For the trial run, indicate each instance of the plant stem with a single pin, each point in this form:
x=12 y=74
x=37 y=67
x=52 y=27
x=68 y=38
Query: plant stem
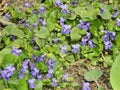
x=97 y=83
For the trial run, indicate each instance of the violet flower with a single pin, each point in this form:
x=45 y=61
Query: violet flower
x=107 y=38
x=24 y=69
x=58 y=3
x=64 y=8
x=55 y=40
x=75 y=48
x=51 y=64
x=118 y=22
x=61 y=21
x=63 y=49
x=84 y=25
x=7 y=17
x=42 y=9
x=66 y=29
x=8 y=72
x=41 y=58
x=102 y=10
x=115 y=14
x=27 y=5
x=16 y=51
x=86 y=86
x=34 y=11
x=34 y=70
x=54 y=82
x=31 y=83
x=64 y=77
x=91 y=44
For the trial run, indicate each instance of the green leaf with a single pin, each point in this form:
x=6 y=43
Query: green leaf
x=117 y=39
x=50 y=26
x=93 y=75
x=106 y=14
x=100 y=88
x=9 y=59
x=75 y=34
x=4 y=52
x=87 y=12
x=70 y=58
x=12 y=29
x=43 y=33
x=32 y=19
x=75 y=84
x=22 y=85
x=39 y=85
x=108 y=61
x=2 y=85
x=42 y=66
x=115 y=74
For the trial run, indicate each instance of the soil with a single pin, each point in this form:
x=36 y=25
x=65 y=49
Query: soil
x=78 y=68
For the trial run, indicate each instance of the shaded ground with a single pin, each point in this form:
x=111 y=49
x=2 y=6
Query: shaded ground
x=78 y=68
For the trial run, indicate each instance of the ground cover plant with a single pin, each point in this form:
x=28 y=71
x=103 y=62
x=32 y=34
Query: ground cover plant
x=39 y=41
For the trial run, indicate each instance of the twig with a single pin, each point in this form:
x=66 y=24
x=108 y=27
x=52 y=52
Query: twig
x=97 y=83
x=3 y=22
x=1 y=9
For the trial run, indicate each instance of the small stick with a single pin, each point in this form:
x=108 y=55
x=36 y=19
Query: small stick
x=5 y=22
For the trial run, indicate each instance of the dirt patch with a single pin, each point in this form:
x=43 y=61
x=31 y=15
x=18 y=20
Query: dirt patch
x=77 y=70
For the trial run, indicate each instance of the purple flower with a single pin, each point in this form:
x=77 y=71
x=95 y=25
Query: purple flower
x=84 y=25
x=21 y=21
x=115 y=14
x=61 y=21
x=42 y=9
x=112 y=35
x=108 y=45
x=24 y=69
x=74 y=2
x=34 y=11
x=107 y=38
x=63 y=49
x=31 y=83
x=84 y=41
x=75 y=48
x=118 y=22
x=86 y=86
x=51 y=62
x=50 y=71
x=7 y=16
x=40 y=58
x=27 y=25
x=34 y=70
x=58 y=3
x=35 y=24
x=42 y=21
x=102 y=10
x=49 y=76
x=12 y=37
x=55 y=40
x=8 y=72
x=64 y=77
x=27 y=5
x=39 y=77
x=21 y=75
x=91 y=44
x=64 y=8
x=35 y=47
x=54 y=82
x=16 y=51
x=66 y=29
